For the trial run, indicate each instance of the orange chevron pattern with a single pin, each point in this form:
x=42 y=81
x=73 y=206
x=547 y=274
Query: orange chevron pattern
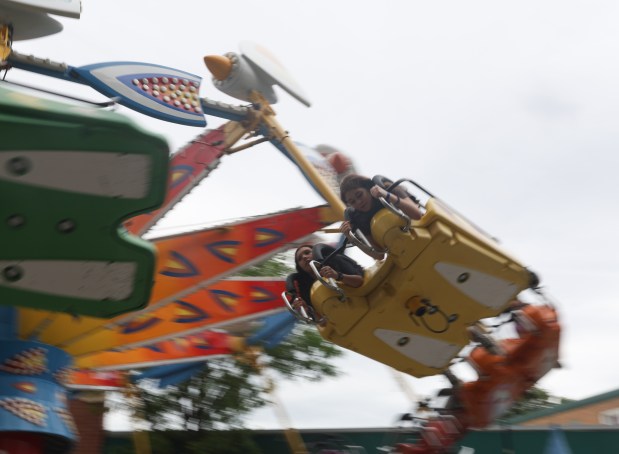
x=187 y=168
x=165 y=323
x=84 y=335
x=192 y=347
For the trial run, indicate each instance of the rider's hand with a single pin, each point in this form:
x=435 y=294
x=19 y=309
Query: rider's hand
x=328 y=272
x=377 y=191
x=297 y=303
x=345 y=227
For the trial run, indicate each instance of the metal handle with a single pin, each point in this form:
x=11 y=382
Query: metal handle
x=365 y=246
x=299 y=313
x=330 y=283
x=407 y=221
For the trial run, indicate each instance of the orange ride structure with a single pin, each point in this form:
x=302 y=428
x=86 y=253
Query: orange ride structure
x=84 y=298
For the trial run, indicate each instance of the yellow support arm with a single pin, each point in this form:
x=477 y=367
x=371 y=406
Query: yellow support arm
x=267 y=115
x=5 y=42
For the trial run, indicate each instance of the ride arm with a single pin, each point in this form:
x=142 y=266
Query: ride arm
x=280 y=138
x=44 y=66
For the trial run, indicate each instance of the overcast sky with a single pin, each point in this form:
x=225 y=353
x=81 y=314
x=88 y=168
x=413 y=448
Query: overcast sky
x=508 y=111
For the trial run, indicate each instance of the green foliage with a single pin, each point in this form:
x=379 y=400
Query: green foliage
x=228 y=388
x=276 y=266
x=215 y=397
x=304 y=355
x=534 y=399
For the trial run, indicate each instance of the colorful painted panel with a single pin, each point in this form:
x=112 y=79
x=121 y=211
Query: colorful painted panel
x=32 y=389
x=102 y=380
x=158 y=91
x=186 y=264
x=188 y=167
x=220 y=303
x=179 y=349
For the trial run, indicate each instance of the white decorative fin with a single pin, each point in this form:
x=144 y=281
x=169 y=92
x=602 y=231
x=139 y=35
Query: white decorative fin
x=487 y=290
x=424 y=350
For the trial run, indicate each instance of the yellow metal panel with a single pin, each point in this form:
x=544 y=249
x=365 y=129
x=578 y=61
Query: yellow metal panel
x=414 y=308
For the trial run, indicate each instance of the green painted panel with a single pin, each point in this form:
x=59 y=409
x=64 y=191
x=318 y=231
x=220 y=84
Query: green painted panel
x=69 y=176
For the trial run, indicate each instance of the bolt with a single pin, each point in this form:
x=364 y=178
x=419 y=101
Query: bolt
x=66 y=226
x=16 y=221
x=18 y=166
x=12 y=273
x=403 y=341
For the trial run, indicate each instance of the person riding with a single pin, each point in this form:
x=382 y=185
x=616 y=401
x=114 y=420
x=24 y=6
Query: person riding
x=339 y=267
x=361 y=194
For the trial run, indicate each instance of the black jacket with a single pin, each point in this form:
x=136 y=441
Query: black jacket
x=300 y=283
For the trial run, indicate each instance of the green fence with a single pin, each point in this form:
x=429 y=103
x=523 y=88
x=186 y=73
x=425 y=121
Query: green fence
x=514 y=440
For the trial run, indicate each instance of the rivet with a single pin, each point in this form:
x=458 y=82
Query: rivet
x=13 y=273
x=66 y=226
x=19 y=166
x=15 y=221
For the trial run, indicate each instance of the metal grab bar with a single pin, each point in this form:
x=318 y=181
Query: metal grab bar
x=300 y=313
x=407 y=221
x=330 y=283
x=365 y=246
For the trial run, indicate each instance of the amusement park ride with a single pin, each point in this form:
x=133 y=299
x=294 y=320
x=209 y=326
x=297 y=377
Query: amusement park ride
x=81 y=293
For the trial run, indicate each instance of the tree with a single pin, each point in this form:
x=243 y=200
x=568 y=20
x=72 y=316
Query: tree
x=533 y=399
x=276 y=266
x=227 y=389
